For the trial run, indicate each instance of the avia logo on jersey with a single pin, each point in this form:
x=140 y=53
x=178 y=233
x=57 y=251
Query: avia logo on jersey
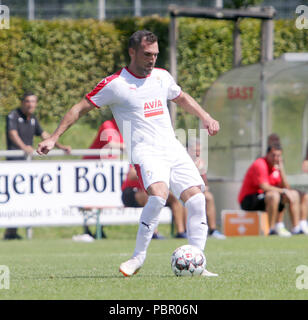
x=153 y=108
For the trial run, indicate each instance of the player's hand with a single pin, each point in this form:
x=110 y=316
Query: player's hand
x=280 y=165
x=211 y=125
x=45 y=146
x=288 y=195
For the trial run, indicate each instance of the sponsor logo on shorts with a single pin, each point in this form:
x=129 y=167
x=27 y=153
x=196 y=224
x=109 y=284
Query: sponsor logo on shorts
x=149 y=173
x=153 y=108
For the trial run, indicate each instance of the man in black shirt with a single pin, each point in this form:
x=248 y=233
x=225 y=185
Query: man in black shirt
x=21 y=127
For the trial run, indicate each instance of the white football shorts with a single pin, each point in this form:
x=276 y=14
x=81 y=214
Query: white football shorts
x=177 y=170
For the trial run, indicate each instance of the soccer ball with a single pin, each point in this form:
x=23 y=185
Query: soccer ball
x=188 y=261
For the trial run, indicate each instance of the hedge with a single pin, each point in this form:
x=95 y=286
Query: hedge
x=61 y=60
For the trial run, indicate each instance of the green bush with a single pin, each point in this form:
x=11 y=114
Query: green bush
x=61 y=60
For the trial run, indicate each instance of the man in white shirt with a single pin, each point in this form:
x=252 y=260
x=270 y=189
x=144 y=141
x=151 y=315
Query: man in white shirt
x=137 y=96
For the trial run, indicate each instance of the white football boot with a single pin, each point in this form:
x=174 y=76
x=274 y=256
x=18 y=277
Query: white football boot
x=130 y=267
x=207 y=273
x=283 y=232
x=304 y=230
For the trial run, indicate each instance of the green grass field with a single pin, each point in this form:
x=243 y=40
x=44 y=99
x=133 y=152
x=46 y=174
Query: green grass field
x=248 y=267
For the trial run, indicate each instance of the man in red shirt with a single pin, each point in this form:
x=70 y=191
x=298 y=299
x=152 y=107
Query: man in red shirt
x=265 y=189
x=108 y=137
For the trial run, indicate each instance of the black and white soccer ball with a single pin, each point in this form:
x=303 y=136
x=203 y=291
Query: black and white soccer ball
x=188 y=261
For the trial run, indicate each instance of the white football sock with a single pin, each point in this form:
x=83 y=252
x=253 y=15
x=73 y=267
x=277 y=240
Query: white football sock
x=296 y=229
x=148 y=222
x=279 y=225
x=303 y=224
x=197 y=227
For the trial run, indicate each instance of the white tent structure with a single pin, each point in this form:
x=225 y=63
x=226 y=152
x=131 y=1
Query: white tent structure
x=248 y=114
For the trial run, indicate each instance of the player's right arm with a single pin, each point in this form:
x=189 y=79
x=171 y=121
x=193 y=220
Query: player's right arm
x=76 y=112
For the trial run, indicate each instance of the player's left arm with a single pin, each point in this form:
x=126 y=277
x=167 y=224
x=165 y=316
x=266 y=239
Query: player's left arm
x=189 y=104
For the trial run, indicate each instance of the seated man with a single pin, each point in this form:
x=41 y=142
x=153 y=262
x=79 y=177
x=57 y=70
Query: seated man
x=194 y=151
x=275 y=139
x=265 y=189
x=134 y=195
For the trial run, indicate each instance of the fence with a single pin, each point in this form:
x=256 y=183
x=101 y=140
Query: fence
x=107 y=9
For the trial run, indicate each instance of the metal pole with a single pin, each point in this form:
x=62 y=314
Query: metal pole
x=101 y=10
x=267 y=39
x=219 y=3
x=173 y=31
x=29 y=232
x=31 y=9
x=137 y=8
x=237 y=48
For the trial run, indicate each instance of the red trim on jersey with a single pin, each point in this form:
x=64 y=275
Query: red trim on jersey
x=95 y=105
x=126 y=68
x=155 y=113
x=101 y=85
x=138 y=170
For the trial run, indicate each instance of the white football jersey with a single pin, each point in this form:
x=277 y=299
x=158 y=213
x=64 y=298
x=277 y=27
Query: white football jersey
x=139 y=106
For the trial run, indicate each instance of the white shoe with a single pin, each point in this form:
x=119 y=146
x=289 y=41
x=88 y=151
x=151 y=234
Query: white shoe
x=207 y=273
x=83 y=238
x=130 y=267
x=283 y=232
x=304 y=230
x=218 y=235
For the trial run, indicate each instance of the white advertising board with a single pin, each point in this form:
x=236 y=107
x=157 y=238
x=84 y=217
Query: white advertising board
x=39 y=193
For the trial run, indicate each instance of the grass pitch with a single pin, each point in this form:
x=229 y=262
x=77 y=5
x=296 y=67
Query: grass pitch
x=248 y=267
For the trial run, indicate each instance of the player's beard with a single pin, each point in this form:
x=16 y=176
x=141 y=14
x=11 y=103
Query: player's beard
x=146 y=70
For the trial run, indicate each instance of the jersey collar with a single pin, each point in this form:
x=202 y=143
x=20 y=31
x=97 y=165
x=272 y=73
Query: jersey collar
x=129 y=71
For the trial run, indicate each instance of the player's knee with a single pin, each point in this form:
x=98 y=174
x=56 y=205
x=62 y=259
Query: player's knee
x=158 y=189
x=295 y=198
x=272 y=196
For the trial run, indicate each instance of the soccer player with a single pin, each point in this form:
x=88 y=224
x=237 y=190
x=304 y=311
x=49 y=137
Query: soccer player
x=137 y=96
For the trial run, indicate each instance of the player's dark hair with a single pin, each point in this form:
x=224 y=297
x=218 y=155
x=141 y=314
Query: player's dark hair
x=27 y=94
x=275 y=146
x=136 y=38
